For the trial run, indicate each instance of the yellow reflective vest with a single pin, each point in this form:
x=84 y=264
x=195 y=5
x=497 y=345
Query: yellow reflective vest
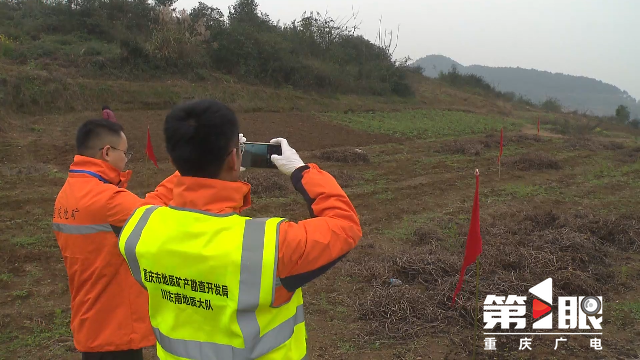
x=211 y=281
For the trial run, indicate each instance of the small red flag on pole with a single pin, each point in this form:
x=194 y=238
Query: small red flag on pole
x=474 y=240
x=500 y=155
x=149 y=149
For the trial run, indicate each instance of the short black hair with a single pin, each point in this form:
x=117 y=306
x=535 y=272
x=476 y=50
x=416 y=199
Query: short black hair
x=106 y=107
x=199 y=135
x=92 y=132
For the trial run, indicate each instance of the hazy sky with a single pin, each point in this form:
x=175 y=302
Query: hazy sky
x=592 y=38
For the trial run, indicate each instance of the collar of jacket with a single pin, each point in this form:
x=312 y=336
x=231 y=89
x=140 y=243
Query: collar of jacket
x=211 y=195
x=102 y=168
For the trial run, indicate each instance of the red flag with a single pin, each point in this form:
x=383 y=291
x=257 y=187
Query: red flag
x=538 y=125
x=500 y=155
x=474 y=240
x=149 y=149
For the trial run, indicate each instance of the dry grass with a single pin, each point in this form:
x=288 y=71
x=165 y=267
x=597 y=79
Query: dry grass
x=344 y=178
x=470 y=147
x=475 y=146
x=591 y=144
x=398 y=313
x=630 y=155
x=533 y=161
x=577 y=250
x=267 y=183
x=344 y=155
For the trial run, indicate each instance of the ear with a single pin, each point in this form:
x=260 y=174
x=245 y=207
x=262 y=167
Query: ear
x=105 y=152
x=234 y=159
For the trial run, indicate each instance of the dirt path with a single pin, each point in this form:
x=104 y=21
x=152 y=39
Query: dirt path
x=530 y=129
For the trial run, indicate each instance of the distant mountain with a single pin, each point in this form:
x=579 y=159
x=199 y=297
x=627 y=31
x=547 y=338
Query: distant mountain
x=574 y=92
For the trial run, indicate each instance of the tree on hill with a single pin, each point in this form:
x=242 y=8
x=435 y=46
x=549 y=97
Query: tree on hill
x=143 y=40
x=622 y=114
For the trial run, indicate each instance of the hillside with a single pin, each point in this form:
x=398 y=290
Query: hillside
x=574 y=92
x=54 y=43
x=561 y=203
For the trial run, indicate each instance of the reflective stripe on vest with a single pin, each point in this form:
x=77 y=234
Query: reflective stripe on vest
x=73 y=229
x=248 y=300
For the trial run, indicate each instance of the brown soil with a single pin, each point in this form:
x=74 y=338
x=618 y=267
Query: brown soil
x=414 y=203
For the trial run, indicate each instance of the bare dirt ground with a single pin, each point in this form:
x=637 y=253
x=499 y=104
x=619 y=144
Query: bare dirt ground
x=530 y=129
x=570 y=214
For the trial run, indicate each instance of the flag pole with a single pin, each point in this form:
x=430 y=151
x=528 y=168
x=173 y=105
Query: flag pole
x=146 y=165
x=500 y=153
x=475 y=323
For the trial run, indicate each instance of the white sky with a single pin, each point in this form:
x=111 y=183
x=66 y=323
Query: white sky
x=592 y=38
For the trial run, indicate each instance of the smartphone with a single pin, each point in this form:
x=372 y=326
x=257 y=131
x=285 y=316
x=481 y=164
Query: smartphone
x=258 y=155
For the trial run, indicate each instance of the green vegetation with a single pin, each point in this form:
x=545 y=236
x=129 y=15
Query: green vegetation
x=27 y=241
x=622 y=114
x=130 y=39
x=20 y=293
x=41 y=335
x=426 y=124
x=607 y=173
x=476 y=83
x=525 y=191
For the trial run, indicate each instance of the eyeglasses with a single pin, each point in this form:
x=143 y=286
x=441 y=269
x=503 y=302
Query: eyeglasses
x=128 y=154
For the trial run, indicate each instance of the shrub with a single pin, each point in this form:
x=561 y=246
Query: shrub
x=533 y=161
x=315 y=52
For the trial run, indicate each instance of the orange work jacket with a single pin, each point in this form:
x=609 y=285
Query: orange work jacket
x=306 y=249
x=109 y=309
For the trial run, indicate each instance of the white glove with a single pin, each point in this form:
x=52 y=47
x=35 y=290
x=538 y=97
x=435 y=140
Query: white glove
x=289 y=161
x=242 y=140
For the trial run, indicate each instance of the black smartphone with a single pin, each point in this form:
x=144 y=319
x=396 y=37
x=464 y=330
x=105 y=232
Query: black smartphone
x=258 y=155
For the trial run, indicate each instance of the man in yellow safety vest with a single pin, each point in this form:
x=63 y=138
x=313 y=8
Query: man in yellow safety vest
x=222 y=285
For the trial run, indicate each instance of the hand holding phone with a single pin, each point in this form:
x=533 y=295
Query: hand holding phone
x=258 y=155
x=289 y=161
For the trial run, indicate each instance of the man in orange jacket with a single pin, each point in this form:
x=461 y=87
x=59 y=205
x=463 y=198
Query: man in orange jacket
x=109 y=310
x=202 y=141
x=195 y=134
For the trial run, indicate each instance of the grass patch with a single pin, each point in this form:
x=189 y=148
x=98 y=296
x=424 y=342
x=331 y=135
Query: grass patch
x=632 y=307
x=530 y=161
x=608 y=174
x=346 y=347
x=425 y=124
x=55 y=174
x=20 y=293
x=625 y=314
x=43 y=333
x=522 y=191
x=27 y=241
x=409 y=225
x=6 y=277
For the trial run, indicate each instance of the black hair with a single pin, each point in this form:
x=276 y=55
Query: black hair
x=106 y=107
x=92 y=131
x=199 y=136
